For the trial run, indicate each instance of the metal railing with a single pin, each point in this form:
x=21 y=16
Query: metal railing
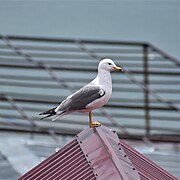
x=147 y=91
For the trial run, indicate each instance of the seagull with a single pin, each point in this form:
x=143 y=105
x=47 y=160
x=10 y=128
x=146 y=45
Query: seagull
x=90 y=97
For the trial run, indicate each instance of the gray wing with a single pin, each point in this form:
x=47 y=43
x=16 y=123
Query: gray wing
x=80 y=99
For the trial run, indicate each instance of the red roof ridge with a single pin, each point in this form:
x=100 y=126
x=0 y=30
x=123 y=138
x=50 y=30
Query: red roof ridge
x=106 y=151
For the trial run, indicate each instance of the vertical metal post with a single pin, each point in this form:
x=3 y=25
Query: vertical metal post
x=146 y=94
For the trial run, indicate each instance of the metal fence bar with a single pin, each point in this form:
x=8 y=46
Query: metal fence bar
x=164 y=54
x=99 y=42
x=167 y=105
x=68 y=40
x=23 y=115
x=146 y=93
x=53 y=76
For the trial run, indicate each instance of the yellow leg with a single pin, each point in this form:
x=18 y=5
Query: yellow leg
x=93 y=124
x=90 y=119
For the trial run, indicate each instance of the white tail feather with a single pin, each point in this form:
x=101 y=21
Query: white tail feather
x=59 y=115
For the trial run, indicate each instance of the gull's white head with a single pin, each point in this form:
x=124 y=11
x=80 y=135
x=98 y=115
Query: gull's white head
x=108 y=65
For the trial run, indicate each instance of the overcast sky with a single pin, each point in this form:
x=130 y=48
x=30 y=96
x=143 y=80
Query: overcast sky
x=153 y=21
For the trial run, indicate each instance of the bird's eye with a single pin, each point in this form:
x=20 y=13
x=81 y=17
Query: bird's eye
x=109 y=63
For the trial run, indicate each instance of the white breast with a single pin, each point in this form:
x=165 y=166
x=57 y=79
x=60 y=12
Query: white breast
x=103 y=80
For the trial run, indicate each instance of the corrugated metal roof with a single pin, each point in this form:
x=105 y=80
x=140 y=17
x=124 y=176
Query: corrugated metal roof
x=145 y=167
x=97 y=154
x=67 y=163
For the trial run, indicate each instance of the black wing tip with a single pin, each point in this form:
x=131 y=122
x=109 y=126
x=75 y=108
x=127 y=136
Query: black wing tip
x=43 y=113
x=50 y=112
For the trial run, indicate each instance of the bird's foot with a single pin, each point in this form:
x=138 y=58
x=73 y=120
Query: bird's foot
x=95 y=124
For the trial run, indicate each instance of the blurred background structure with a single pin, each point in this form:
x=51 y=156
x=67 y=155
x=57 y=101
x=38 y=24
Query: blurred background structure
x=38 y=70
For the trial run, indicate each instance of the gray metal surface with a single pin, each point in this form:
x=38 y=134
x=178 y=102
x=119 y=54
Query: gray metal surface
x=7 y=171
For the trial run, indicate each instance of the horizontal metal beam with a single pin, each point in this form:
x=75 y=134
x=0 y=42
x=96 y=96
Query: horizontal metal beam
x=75 y=87
x=79 y=79
x=54 y=49
x=107 y=106
x=84 y=69
x=68 y=40
x=86 y=41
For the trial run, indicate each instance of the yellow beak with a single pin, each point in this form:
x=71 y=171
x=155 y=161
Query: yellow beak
x=118 y=68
